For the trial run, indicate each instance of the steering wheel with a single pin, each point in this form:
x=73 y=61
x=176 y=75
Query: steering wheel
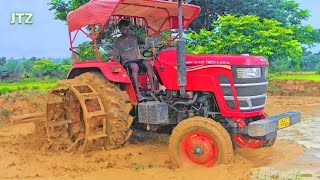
x=148 y=52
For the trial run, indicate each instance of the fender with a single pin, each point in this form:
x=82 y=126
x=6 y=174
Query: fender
x=105 y=68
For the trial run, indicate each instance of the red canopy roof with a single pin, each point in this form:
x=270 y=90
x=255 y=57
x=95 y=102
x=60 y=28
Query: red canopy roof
x=158 y=15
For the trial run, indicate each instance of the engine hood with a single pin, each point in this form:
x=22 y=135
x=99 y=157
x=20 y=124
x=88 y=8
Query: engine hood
x=169 y=56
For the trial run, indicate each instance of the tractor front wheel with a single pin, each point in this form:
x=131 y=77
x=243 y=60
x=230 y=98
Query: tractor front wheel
x=200 y=141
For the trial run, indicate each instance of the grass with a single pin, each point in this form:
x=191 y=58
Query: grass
x=310 y=76
x=140 y=167
x=29 y=81
x=279 y=176
x=12 y=87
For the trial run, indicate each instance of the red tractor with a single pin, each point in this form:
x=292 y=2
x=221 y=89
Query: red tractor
x=210 y=104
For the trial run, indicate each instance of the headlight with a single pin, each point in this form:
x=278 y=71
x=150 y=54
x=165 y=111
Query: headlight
x=248 y=72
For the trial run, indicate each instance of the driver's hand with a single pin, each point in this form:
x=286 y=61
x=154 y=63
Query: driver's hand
x=114 y=53
x=163 y=43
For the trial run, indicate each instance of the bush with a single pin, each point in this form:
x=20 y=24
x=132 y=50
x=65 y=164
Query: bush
x=318 y=70
x=35 y=87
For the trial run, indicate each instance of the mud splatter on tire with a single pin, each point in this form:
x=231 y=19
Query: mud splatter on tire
x=88 y=112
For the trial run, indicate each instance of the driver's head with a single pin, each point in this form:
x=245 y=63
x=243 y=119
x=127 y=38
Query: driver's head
x=124 y=27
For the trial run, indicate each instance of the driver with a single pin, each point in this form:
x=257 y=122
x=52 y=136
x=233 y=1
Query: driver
x=127 y=46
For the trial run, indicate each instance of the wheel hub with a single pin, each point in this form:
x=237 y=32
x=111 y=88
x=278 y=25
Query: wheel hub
x=198 y=151
x=199 y=148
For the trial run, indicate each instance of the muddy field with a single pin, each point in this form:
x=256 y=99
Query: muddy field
x=296 y=154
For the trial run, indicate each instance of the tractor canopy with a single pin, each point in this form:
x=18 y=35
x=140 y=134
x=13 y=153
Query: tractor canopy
x=157 y=15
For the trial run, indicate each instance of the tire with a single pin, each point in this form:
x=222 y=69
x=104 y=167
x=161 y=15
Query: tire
x=241 y=141
x=116 y=105
x=270 y=142
x=200 y=141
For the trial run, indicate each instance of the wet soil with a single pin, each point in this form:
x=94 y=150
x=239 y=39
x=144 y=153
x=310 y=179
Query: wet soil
x=295 y=153
x=306 y=133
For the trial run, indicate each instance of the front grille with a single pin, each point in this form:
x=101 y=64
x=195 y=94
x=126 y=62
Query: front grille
x=251 y=93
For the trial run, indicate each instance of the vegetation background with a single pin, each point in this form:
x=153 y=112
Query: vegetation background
x=273 y=29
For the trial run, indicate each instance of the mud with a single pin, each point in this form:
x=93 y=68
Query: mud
x=296 y=150
x=142 y=160
x=87 y=112
x=23 y=102
x=305 y=133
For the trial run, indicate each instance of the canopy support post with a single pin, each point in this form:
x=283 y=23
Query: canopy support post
x=181 y=58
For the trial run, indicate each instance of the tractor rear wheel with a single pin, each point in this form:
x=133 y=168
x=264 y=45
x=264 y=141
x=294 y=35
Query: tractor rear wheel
x=241 y=141
x=200 y=141
x=88 y=112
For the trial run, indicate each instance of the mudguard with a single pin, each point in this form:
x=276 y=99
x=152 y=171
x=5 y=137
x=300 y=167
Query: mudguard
x=113 y=71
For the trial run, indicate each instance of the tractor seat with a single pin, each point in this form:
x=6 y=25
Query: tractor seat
x=142 y=68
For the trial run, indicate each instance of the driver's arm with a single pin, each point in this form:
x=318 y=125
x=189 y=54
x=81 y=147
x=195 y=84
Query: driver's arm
x=114 y=53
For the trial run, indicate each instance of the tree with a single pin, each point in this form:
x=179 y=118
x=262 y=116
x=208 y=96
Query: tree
x=3 y=61
x=310 y=62
x=247 y=35
x=62 y=7
x=288 y=12
x=67 y=61
x=27 y=67
x=11 y=70
x=46 y=68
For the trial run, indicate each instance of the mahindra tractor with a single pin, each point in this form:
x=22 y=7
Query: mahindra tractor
x=210 y=104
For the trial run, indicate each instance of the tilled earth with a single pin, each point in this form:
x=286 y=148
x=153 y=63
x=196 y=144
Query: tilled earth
x=296 y=153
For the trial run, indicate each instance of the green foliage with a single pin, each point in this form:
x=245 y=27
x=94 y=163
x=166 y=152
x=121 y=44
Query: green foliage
x=310 y=62
x=27 y=66
x=29 y=70
x=306 y=34
x=3 y=61
x=8 y=88
x=246 y=35
x=10 y=70
x=44 y=67
x=85 y=51
x=287 y=12
x=62 y=7
x=310 y=76
x=67 y=61
x=318 y=70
